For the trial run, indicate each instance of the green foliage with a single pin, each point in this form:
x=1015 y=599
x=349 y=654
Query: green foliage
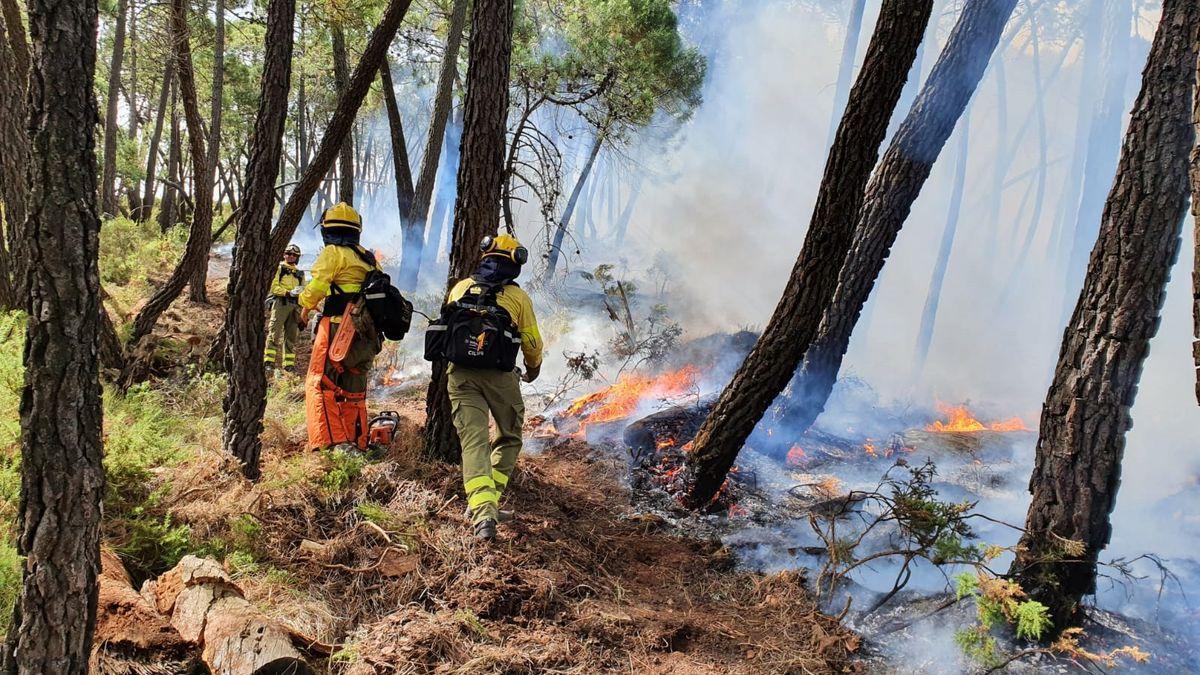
x=1032 y=620
x=130 y=250
x=10 y=582
x=965 y=584
x=979 y=646
x=140 y=438
x=151 y=544
x=344 y=467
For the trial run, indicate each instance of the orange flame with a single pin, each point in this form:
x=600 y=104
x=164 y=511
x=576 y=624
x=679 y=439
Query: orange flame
x=796 y=456
x=870 y=449
x=622 y=398
x=961 y=420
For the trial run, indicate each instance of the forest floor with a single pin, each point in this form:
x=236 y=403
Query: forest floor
x=375 y=561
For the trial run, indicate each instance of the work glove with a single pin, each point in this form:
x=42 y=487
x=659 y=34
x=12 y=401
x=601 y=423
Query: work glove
x=295 y=292
x=531 y=373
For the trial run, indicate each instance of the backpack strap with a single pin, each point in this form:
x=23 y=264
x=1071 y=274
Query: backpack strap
x=366 y=256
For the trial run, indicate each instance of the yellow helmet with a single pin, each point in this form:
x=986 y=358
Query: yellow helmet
x=342 y=215
x=505 y=246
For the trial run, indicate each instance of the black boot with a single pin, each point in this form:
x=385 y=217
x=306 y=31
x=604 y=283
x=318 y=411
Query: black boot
x=485 y=530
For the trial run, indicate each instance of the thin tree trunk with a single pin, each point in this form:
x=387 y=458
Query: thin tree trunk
x=17 y=40
x=560 y=232
x=147 y=205
x=418 y=213
x=200 y=236
x=1002 y=159
x=111 y=128
x=341 y=75
x=770 y=365
x=62 y=475
x=252 y=268
x=198 y=284
x=1085 y=418
x=934 y=296
x=439 y=227
x=14 y=161
x=168 y=215
x=400 y=166
x=1104 y=143
x=480 y=183
x=1195 y=173
x=846 y=69
x=622 y=226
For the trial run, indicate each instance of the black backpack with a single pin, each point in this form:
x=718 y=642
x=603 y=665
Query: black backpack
x=390 y=311
x=474 y=332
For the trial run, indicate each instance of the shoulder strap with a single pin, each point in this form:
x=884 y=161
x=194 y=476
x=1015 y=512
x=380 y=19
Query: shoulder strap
x=366 y=256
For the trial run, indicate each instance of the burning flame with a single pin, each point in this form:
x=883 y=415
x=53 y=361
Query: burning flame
x=961 y=420
x=391 y=377
x=623 y=398
x=796 y=456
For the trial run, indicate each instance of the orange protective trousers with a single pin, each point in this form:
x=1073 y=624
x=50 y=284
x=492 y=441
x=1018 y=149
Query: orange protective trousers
x=335 y=398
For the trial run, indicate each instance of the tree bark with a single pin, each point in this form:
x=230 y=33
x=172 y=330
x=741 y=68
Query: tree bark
x=412 y=257
x=111 y=128
x=17 y=40
x=62 y=475
x=14 y=161
x=480 y=183
x=167 y=215
x=770 y=365
x=561 y=231
x=252 y=267
x=400 y=166
x=895 y=186
x=341 y=76
x=1195 y=173
x=200 y=237
x=147 y=205
x=622 y=225
x=198 y=284
x=1104 y=142
x=934 y=296
x=439 y=227
x=846 y=68
x=1081 y=438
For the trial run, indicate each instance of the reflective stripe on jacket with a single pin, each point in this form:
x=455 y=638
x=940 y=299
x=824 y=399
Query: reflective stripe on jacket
x=516 y=302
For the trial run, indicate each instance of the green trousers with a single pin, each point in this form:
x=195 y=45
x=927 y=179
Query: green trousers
x=487 y=464
x=285 y=329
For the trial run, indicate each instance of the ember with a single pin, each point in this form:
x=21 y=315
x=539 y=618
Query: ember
x=623 y=398
x=796 y=456
x=961 y=420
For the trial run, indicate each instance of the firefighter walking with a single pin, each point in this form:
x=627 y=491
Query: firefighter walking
x=475 y=392
x=285 y=312
x=346 y=340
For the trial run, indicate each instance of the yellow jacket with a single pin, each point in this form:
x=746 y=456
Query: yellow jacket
x=518 y=305
x=338 y=265
x=286 y=278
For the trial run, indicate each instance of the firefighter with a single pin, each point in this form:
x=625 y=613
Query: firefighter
x=285 y=311
x=488 y=464
x=346 y=342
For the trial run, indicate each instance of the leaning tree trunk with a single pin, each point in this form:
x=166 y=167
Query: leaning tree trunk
x=770 y=365
x=480 y=183
x=198 y=284
x=62 y=475
x=560 y=231
x=341 y=75
x=1196 y=236
x=147 y=205
x=846 y=68
x=1081 y=438
x=200 y=238
x=438 y=235
x=934 y=296
x=400 y=166
x=14 y=160
x=168 y=211
x=418 y=213
x=895 y=186
x=108 y=186
x=252 y=269
x=1104 y=143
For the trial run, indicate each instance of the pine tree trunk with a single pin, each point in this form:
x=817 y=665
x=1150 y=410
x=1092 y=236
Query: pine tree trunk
x=896 y=184
x=1104 y=142
x=934 y=296
x=198 y=285
x=411 y=262
x=1081 y=438
x=200 y=237
x=14 y=160
x=400 y=166
x=770 y=365
x=439 y=226
x=560 y=231
x=168 y=215
x=480 y=183
x=341 y=76
x=111 y=128
x=147 y=205
x=62 y=477
x=338 y=130
x=622 y=225
x=17 y=40
x=1195 y=173
x=846 y=68
x=251 y=273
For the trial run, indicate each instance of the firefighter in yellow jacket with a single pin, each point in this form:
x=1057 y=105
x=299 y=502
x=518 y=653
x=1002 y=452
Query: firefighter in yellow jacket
x=285 y=311
x=346 y=342
x=488 y=464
